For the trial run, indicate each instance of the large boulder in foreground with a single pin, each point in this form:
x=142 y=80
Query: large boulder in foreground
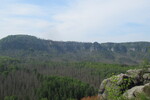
x=135 y=91
x=130 y=84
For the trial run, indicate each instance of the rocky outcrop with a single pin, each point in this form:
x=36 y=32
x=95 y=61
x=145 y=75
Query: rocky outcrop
x=129 y=85
x=135 y=91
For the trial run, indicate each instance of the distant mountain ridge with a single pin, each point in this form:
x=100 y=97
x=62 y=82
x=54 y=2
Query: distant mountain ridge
x=25 y=46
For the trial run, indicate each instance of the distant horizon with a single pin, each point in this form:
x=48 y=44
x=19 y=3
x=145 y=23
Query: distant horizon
x=77 y=20
x=76 y=41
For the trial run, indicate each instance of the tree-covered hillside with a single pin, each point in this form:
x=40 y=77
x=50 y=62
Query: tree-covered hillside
x=25 y=46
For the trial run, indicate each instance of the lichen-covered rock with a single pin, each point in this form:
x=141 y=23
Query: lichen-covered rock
x=146 y=89
x=147 y=70
x=115 y=85
x=135 y=91
x=136 y=76
x=146 y=76
x=133 y=82
x=131 y=93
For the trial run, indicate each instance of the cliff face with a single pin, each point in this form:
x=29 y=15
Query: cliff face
x=128 y=85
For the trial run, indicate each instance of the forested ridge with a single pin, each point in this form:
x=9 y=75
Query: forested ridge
x=25 y=46
x=36 y=69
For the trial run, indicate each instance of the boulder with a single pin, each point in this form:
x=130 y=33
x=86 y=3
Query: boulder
x=135 y=91
x=146 y=78
x=147 y=70
x=116 y=85
x=130 y=84
x=136 y=76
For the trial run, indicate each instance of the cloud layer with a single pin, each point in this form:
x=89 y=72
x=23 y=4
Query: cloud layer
x=79 y=20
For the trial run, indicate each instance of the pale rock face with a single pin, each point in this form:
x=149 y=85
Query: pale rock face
x=148 y=70
x=50 y=43
x=132 y=49
x=112 y=49
x=135 y=91
x=144 y=50
x=92 y=48
x=146 y=76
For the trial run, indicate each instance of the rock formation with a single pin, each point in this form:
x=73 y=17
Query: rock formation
x=128 y=85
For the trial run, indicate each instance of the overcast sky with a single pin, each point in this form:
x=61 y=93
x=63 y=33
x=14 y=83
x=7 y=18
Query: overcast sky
x=77 y=20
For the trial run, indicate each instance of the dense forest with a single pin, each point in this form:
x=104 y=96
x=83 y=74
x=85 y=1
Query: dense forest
x=36 y=69
x=52 y=81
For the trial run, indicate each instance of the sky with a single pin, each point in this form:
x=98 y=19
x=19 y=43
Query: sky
x=77 y=20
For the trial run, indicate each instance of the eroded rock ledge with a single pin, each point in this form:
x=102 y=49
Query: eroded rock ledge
x=129 y=85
